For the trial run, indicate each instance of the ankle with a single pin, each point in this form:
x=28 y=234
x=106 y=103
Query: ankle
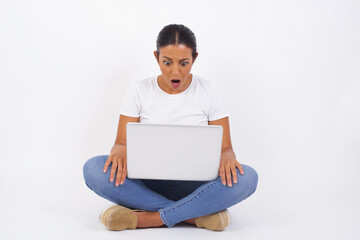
x=156 y=219
x=148 y=219
x=191 y=221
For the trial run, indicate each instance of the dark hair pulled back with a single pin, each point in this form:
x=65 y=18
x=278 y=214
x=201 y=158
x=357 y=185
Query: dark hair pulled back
x=176 y=34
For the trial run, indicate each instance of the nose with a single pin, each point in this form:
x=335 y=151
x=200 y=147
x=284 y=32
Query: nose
x=175 y=70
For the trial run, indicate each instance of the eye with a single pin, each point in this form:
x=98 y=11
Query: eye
x=184 y=63
x=166 y=63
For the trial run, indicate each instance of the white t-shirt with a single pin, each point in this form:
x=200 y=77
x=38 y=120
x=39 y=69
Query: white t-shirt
x=197 y=105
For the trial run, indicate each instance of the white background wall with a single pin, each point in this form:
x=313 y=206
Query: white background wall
x=288 y=70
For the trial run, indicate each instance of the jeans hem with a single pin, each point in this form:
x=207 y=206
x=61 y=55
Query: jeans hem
x=163 y=218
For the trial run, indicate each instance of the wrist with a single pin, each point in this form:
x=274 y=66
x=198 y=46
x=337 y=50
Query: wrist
x=117 y=147
x=227 y=150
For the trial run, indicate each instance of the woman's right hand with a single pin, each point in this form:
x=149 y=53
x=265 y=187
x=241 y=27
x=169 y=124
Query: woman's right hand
x=118 y=159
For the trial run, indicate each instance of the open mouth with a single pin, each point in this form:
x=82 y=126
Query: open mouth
x=175 y=83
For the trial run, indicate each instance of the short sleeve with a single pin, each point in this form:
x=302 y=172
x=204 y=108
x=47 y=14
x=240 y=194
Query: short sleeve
x=130 y=105
x=217 y=108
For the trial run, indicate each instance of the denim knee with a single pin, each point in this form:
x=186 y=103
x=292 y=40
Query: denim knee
x=92 y=168
x=249 y=178
x=246 y=184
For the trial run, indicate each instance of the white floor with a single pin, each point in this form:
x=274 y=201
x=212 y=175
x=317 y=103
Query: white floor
x=64 y=208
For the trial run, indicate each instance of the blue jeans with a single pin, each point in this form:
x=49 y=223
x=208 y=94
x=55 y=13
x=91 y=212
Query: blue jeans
x=176 y=201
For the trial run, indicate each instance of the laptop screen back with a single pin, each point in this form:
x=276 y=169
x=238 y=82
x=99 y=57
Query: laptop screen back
x=173 y=152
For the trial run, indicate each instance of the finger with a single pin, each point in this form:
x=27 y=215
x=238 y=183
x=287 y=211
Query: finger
x=124 y=172
x=234 y=173
x=238 y=165
x=106 y=165
x=113 y=170
x=118 y=175
x=222 y=174
x=123 y=175
x=228 y=175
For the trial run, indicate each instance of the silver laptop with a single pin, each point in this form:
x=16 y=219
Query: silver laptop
x=173 y=152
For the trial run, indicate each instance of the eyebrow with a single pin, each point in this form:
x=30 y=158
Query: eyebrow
x=179 y=60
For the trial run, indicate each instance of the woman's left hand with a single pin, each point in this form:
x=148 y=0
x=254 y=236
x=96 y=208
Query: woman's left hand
x=228 y=165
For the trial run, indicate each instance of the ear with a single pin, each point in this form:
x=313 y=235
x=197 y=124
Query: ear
x=156 y=56
x=195 y=57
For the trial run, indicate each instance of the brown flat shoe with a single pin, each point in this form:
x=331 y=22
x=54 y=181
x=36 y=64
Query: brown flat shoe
x=118 y=218
x=217 y=221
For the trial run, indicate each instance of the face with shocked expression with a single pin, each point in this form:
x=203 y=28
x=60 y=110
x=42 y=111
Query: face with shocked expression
x=175 y=63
